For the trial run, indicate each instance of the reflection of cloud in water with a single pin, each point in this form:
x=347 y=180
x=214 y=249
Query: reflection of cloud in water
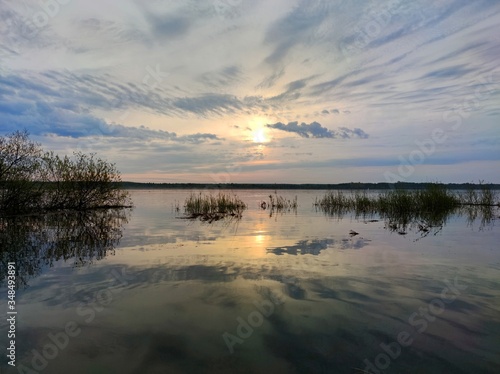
x=326 y=323
x=144 y=241
x=315 y=246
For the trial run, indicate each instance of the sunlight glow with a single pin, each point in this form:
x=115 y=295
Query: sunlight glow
x=259 y=239
x=259 y=136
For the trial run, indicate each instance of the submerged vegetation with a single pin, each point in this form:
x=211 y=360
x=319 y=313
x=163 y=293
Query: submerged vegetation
x=211 y=208
x=279 y=204
x=38 y=241
x=432 y=199
x=425 y=209
x=34 y=181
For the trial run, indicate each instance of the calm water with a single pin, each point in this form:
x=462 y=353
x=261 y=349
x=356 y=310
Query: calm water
x=147 y=292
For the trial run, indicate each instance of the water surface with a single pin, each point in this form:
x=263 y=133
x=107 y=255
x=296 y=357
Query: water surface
x=290 y=292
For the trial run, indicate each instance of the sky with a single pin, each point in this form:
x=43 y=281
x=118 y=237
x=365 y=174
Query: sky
x=254 y=91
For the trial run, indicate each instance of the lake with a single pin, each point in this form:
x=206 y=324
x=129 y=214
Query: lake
x=145 y=291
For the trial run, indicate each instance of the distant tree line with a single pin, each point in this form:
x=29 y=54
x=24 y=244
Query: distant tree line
x=32 y=180
x=306 y=186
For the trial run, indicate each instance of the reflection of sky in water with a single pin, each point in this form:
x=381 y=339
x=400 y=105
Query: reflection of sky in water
x=174 y=287
x=315 y=246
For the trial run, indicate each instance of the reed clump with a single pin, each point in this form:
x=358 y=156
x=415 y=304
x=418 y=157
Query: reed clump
x=339 y=203
x=426 y=209
x=433 y=198
x=485 y=196
x=281 y=204
x=404 y=204
x=400 y=208
x=211 y=208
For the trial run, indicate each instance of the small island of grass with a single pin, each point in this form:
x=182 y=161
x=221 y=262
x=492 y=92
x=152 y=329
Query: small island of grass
x=208 y=207
x=434 y=198
x=424 y=208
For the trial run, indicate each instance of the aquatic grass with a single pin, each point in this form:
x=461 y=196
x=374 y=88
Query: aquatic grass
x=210 y=207
x=436 y=197
x=424 y=208
x=279 y=203
x=469 y=197
x=485 y=196
x=334 y=203
x=362 y=202
x=333 y=200
x=433 y=198
x=339 y=203
x=404 y=205
x=488 y=197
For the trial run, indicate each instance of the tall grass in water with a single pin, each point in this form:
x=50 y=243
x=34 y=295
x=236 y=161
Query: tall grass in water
x=485 y=196
x=434 y=198
x=425 y=208
x=213 y=207
x=400 y=207
x=281 y=204
x=479 y=203
x=339 y=203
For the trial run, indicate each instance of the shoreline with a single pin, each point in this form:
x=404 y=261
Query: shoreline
x=303 y=186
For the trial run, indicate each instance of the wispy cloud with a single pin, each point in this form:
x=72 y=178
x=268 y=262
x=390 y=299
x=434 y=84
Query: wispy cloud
x=395 y=70
x=315 y=130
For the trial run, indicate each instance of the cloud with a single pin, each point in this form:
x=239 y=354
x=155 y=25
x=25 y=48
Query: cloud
x=448 y=72
x=295 y=28
x=222 y=78
x=271 y=80
x=98 y=31
x=66 y=118
x=315 y=130
x=392 y=67
x=84 y=92
x=208 y=104
x=167 y=26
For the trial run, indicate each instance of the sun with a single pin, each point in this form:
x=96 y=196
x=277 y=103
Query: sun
x=259 y=136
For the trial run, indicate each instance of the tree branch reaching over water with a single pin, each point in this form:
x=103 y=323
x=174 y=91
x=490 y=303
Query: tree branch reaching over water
x=32 y=180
